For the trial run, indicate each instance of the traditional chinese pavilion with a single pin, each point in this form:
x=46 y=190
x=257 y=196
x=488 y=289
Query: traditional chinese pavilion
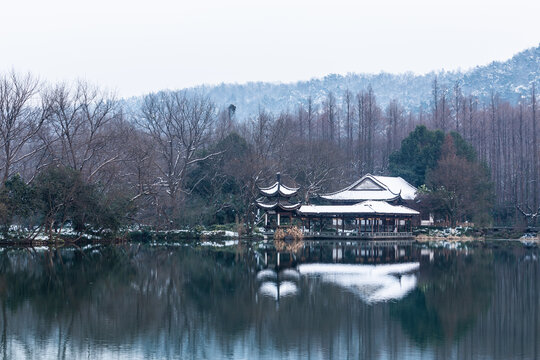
x=371 y=207
x=278 y=201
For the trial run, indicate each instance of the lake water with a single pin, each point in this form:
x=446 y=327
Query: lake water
x=332 y=301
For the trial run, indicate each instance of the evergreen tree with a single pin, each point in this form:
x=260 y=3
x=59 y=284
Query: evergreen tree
x=419 y=152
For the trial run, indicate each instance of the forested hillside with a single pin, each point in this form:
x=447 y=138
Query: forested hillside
x=510 y=79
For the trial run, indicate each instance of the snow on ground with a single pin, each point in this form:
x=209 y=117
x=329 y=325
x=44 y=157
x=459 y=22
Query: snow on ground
x=225 y=233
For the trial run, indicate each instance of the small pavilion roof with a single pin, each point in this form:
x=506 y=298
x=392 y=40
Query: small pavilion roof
x=278 y=188
x=364 y=208
x=371 y=187
x=273 y=205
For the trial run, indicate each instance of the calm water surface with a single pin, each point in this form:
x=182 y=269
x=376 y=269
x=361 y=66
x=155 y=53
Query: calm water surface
x=333 y=301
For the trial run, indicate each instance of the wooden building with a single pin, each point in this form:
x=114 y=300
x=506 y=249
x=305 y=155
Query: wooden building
x=372 y=207
x=367 y=219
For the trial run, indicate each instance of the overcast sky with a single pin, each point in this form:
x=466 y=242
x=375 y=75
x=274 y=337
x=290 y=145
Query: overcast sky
x=135 y=47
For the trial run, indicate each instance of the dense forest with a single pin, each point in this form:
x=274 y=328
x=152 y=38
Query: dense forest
x=72 y=154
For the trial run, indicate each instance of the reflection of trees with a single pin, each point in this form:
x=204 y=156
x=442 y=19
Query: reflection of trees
x=165 y=302
x=453 y=291
x=120 y=295
x=190 y=303
x=47 y=292
x=59 y=278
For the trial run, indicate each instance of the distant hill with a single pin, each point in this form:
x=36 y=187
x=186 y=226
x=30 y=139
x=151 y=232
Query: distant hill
x=510 y=79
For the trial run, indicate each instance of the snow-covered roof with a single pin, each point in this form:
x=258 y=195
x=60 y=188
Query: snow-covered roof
x=371 y=187
x=365 y=208
x=398 y=185
x=280 y=189
x=283 y=205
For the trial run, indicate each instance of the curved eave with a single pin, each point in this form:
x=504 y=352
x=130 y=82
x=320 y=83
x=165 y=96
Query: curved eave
x=278 y=189
x=369 y=208
x=278 y=193
x=340 y=214
x=331 y=197
x=276 y=205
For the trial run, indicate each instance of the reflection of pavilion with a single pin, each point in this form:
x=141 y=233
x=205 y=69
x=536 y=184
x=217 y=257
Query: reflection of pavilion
x=372 y=283
x=390 y=272
x=278 y=284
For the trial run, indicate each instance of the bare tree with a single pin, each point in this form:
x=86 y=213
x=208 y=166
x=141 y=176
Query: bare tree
x=535 y=149
x=457 y=103
x=310 y=111
x=83 y=123
x=329 y=126
x=349 y=114
x=21 y=118
x=394 y=114
x=435 y=101
x=179 y=126
x=371 y=114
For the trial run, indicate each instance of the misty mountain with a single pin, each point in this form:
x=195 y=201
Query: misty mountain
x=510 y=79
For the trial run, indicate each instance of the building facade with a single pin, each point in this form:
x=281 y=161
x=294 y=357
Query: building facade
x=371 y=207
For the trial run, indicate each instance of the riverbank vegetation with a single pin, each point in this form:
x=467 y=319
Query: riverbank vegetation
x=74 y=155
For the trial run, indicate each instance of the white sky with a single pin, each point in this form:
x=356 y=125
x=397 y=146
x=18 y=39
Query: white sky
x=135 y=47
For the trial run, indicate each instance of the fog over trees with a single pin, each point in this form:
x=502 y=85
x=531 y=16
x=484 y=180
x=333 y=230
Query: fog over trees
x=178 y=159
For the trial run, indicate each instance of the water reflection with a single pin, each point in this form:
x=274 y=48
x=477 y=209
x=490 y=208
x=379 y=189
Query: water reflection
x=277 y=285
x=455 y=289
x=371 y=283
x=180 y=302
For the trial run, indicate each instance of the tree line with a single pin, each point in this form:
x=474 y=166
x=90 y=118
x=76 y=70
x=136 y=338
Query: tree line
x=179 y=159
